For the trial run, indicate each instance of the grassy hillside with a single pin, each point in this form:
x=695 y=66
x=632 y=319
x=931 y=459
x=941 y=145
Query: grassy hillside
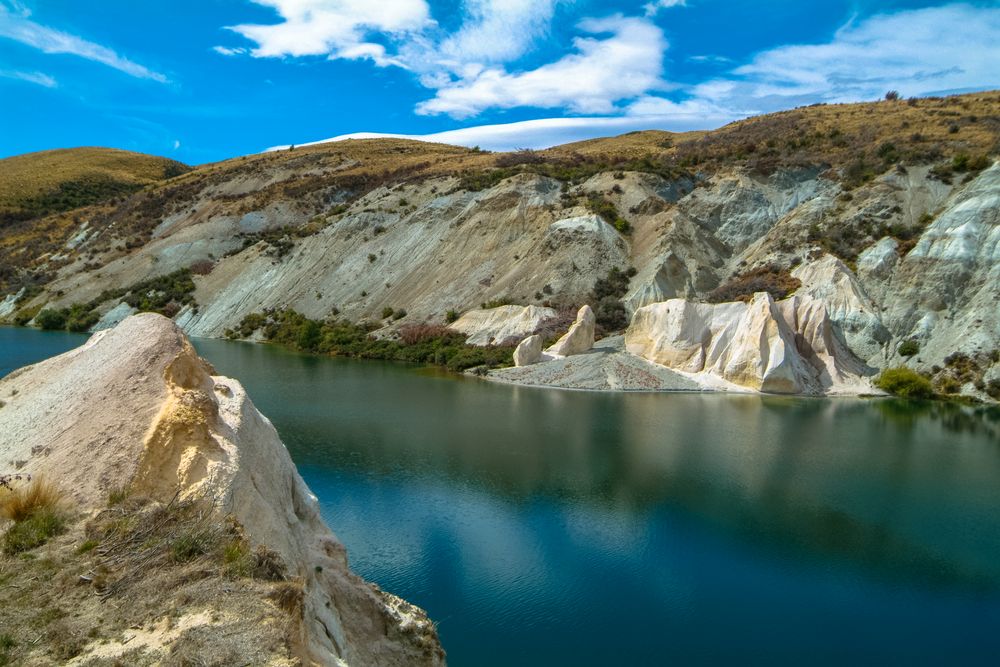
x=121 y=197
x=39 y=184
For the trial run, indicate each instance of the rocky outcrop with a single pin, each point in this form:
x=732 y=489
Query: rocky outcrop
x=847 y=304
x=918 y=246
x=494 y=326
x=528 y=351
x=579 y=338
x=136 y=407
x=944 y=292
x=786 y=347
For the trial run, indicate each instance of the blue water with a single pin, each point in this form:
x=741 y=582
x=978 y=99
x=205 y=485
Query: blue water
x=567 y=528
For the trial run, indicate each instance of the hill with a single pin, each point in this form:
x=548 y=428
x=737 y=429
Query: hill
x=39 y=184
x=884 y=211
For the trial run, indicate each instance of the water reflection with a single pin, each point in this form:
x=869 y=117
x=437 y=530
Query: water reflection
x=907 y=488
x=696 y=529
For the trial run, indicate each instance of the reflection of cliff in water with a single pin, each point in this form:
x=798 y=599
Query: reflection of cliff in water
x=910 y=488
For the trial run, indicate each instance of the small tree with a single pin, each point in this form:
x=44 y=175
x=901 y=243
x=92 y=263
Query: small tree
x=892 y=96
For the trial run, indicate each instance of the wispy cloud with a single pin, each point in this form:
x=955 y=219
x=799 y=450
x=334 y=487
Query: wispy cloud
x=653 y=8
x=16 y=24
x=615 y=65
x=601 y=72
x=546 y=132
x=916 y=52
x=226 y=51
x=497 y=31
x=30 y=77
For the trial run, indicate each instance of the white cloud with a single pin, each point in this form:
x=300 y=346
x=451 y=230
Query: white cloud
x=177 y=144
x=709 y=59
x=602 y=72
x=31 y=77
x=616 y=68
x=15 y=24
x=498 y=30
x=915 y=52
x=226 y=51
x=335 y=28
x=653 y=8
x=546 y=132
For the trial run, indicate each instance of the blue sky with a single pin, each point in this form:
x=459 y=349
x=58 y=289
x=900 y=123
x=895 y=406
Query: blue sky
x=203 y=80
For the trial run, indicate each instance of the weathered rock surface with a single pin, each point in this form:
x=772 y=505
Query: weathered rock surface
x=847 y=304
x=460 y=236
x=136 y=406
x=944 y=292
x=580 y=336
x=779 y=347
x=528 y=351
x=494 y=326
x=606 y=367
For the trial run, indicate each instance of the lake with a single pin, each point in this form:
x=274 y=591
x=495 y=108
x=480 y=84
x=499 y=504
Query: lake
x=546 y=527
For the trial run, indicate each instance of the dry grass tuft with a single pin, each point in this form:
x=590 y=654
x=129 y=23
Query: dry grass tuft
x=22 y=503
x=289 y=596
x=38 y=513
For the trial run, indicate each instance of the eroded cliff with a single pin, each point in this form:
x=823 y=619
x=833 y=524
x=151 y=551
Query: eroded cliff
x=135 y=411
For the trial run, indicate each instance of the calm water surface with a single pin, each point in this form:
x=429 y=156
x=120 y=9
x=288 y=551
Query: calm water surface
x=567 y=528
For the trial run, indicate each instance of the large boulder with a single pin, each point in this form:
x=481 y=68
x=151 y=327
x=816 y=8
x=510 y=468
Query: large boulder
x=579 y=338
x=528 y=351
x=135 y=407
x=493 y=326
x=786 y=347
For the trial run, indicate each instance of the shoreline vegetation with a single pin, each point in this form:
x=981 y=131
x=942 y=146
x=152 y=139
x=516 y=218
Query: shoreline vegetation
x=417 y=343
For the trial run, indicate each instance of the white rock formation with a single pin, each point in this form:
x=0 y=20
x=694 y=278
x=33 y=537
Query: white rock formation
x=579 y=338
x=136 y=406
x=786 y=347
x=114 y=317
x=848 y=306
x=497 y=325
x=528 y=351
x=9 y=302
x=944 y=291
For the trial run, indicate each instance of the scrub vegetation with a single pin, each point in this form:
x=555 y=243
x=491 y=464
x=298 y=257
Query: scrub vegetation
x=177 y=573
x=417 y=343
x=165 y=294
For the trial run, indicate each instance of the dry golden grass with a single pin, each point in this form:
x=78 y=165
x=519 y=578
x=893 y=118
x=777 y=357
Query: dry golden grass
x=26 y=176
x=23 y=502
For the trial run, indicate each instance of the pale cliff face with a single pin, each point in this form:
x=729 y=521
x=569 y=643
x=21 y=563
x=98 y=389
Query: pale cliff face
x=434 y=242
x=135 y=406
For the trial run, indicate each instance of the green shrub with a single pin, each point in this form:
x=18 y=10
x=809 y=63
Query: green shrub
x=607 y=211
x=905 y=383
x=192 y=543
x=908 y=348
x=51 y=319
x=606 y=295
x=496 y=303
x=418 y=343
x=451 y=316
x=33 y=531
x=80 y=317
x=387 y=312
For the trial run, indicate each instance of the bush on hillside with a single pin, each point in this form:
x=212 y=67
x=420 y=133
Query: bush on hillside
x=50 y=319
x=606 y=296
x=777 y=282
x=905 y=383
